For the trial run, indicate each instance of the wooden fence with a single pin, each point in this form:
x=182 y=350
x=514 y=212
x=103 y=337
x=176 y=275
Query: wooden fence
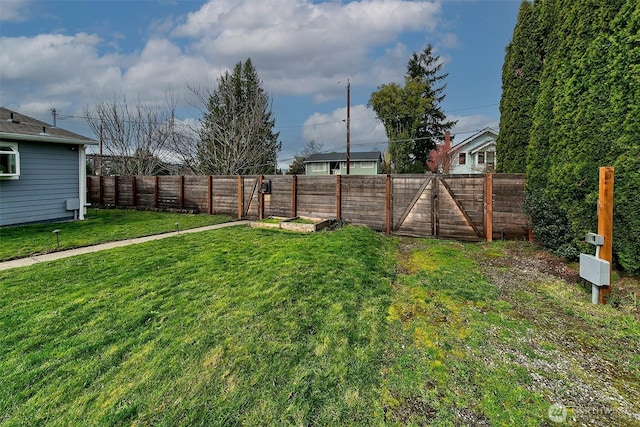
x=463 y=207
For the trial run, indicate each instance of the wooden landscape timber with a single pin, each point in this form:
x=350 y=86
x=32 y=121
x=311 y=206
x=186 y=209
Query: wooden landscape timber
x=462 y=207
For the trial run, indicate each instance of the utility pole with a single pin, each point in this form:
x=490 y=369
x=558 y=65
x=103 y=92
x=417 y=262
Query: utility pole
x=348 y=126
x=54 y=113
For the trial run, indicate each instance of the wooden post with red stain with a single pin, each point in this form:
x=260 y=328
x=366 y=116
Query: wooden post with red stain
x=210 y=195
x=260 y=198
x=88 y=187
x=181 y=192
x=338 y=198
x=101 y=190
x=156 y=192
x=488 y=196
x=240 y=197
x=605 y=224
x=294 y=196
x=133 y=191
x=116 y=192
x=388 y=212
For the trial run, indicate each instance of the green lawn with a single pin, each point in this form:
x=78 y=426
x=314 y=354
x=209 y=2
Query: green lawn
x=101 y=226
x=245 y=326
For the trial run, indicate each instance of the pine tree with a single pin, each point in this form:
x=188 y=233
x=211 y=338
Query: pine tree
x=426 y=68
x=237 y=135
x=411 y=114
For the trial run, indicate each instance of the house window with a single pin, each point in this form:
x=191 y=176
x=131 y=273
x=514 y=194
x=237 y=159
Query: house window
x=367 y=165
x=491 y=158
x=487 y=157
x=9 y=160
x=318 y=167
x=462 y=158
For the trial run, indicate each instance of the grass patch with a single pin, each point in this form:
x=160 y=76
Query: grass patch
x=465 y=349
x=302 y=221
x=245 y=326
x=271 y=220
x=101 y=226
x=232 y=327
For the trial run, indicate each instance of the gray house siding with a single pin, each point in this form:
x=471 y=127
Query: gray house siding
x=48 y=177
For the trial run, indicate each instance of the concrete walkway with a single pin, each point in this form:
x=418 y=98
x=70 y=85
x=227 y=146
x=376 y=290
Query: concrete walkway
x=35 y=259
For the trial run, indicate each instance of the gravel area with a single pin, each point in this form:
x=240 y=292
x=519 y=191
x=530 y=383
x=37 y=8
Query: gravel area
x=570 y=357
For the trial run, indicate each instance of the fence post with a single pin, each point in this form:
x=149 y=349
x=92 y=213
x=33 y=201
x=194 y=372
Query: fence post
x=240 y=197
x=294 y=196
x=488 y=197
x=210 y=195
x=389 y=213
x=181 y=192
x=338 y=198
x=156 y=192
x=260 y=198
x=88 y=187
x=133 y=191
x=101 y=191
x=116 y=191
x=605 y=224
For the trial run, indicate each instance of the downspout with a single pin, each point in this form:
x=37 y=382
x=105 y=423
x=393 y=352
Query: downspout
x=82 y=176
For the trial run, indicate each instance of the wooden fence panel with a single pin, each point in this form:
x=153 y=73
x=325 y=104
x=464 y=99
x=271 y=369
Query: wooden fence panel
x=278 y=202
x=93 y=190
x=224 y=191
x=169 y=192
x=450 y=206
x=411 y=205
x=145 y=190
x=250 y=200
x=125 y=192
x=461 y=207
x=317 y=196
x=509 y=220
x=363 y=200
x=109 y=192
x=196 y=193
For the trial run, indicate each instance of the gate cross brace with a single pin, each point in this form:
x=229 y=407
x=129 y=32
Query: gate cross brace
x=457 y=202
x=407 y=211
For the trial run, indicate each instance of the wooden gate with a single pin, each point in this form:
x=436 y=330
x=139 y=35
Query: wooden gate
x=248 y=197
x=447 y=206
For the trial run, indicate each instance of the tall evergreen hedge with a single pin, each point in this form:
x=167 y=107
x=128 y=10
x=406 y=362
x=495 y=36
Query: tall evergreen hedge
x=576 y=108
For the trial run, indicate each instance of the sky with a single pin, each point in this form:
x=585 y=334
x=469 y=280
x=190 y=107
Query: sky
x=71 y=54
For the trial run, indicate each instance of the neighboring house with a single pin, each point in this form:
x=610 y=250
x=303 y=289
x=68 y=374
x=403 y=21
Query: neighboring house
x=361 y=163
x=476 y=154
x=42 y=171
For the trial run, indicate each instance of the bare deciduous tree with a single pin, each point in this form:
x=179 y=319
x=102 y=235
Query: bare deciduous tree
x=135 y=138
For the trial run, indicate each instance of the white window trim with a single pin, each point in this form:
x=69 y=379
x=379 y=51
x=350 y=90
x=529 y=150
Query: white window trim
x=367 y=164
x=318 y=167
x=13 y=151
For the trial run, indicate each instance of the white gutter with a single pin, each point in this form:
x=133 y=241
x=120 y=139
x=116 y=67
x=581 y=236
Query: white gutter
x=49 y=139
x=82 y=176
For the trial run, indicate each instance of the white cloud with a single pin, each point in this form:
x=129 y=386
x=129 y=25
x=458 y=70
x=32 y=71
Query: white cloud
x=14 y=10
x=54 y=69
x=367 y=133
x=298 y=47
x=302 y=47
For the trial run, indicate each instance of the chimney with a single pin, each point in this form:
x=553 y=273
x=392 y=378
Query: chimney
x=446 y=161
